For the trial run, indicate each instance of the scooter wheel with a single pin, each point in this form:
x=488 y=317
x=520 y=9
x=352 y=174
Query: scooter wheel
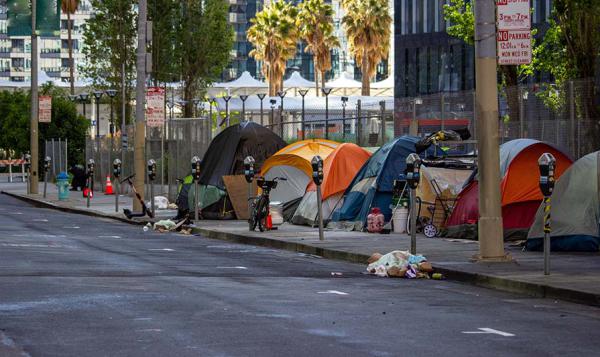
x=430 y=231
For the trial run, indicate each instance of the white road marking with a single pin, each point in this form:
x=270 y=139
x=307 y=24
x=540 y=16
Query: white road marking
x=40 y=220
x=163 y=249
x=109 y=236
x=15 y=212
x=16 y=245
x=238 y=267
x=332 y=292
x=150 y=330
x=72 y=227
x=487 y=330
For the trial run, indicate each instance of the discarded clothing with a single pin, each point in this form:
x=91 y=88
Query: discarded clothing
x=399 y=263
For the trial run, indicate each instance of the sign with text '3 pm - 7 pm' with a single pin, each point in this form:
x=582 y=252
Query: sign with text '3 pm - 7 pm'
x=155 y=107
x=513 y=36
x=45 y=109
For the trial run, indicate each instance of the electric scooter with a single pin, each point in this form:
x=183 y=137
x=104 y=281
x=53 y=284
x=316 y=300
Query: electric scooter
x=145 y=211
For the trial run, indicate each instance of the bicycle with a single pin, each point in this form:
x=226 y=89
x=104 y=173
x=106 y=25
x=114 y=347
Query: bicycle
x=260 y=204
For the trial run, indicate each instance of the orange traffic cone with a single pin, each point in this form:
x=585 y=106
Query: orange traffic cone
x=109 y=189
x=269 y=222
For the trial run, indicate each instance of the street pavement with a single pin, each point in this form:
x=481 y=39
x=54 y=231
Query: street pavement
x=74 y=285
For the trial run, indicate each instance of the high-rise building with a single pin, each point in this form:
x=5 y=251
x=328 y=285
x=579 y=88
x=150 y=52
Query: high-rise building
x=15 y=51
x=427 y=59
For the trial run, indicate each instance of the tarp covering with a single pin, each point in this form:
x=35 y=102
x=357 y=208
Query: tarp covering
x=520 y=192
x=339 y=168
x=372 y=186
x=293 y=163
x=226 y=153
x=575 y=210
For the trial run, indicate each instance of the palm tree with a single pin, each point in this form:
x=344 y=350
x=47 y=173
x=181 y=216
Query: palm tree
x=69 y=7
x=274 y=36
x=367 y=24
x=315 y=21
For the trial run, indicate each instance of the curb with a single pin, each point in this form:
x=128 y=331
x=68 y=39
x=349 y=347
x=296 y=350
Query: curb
x=481 y=280
x=45 y=204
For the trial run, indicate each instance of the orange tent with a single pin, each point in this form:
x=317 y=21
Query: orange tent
x=339 y=169
x=293 y=163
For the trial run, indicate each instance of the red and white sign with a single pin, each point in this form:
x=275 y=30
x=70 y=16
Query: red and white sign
x=513 y=14
x=513 y=36
x=514 y=47
x=155 y=107
x=45 y=109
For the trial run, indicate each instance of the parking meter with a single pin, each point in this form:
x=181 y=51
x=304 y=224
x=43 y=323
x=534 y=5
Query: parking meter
x=47 y=161
x=151 y=177
x=90 y=180
x=317 y=176
x=196 y=175
x=413 y=174
x=249 y=168
x=547 y=165
x=117 y=174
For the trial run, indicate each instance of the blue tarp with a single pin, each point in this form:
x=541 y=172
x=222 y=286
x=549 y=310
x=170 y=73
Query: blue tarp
x=385 y=166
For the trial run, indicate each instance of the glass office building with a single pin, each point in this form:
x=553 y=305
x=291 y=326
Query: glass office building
x=427 y=59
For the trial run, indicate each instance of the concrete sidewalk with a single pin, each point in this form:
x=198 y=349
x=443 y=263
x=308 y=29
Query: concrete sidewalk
x=574 y=277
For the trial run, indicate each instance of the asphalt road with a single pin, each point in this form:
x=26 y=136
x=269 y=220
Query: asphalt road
x=72 y=285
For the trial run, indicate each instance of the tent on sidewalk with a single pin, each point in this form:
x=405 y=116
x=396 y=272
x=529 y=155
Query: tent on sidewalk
x=520 y=192
x=372 y=186
x=293 y=163
x=575 y=210
x=225 y=156
x=339 y=169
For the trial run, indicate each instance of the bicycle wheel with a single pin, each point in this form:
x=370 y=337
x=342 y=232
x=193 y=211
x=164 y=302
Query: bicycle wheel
x=262 y=210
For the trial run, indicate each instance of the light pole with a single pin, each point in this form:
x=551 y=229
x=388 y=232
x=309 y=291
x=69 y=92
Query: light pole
x=243 y=97
x=326 y=91
x=281 y=95
x=303 y=93
x=344 y=102
x=73 y=98
x=170 y=105
x=111 y=94
x=211 y=102
x=84 y=98
x=227 y=98
x=261 y=96
x=413 y=168
x=97 y=95
x=273 y=102
x=413 y=128
x=196 y=101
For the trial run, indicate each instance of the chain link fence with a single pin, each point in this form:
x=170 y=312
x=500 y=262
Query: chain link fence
x=171 y=146
x=56 y=150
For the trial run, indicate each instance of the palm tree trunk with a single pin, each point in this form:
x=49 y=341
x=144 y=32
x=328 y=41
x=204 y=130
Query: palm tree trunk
x=70 y=45
x=315 y=67
x=365 y=75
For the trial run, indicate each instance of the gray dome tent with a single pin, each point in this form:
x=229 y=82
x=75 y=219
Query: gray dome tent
x=575 y=210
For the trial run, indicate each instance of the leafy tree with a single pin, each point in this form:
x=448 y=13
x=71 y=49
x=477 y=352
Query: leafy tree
x=367 y=24
x=205 y=40
x=274 y=35
x=109 y=43
x=165 y=16
x=65 y=124
x=69 y=7
x=315 y=21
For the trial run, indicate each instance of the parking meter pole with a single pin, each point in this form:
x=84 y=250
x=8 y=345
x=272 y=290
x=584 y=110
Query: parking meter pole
x=413 y=221
x=547 y=231
x=320 y=212
x=547 y=164
x=117 y=195
x=117 y=173
x=152 y=197
x=90 y=180
x=249 y=175
x=45 y=181
x=317 y=176
x=87 y=202
x=196 y=194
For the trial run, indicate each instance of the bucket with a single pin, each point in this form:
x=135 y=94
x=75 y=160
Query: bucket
x=399 y=219
x=276 y=210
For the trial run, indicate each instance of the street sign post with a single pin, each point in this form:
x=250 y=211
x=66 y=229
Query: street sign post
x=155 y=107
x=513 y=35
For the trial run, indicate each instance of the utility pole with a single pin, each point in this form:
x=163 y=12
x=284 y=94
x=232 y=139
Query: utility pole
x=139 y=156
x=491 y=237
x=33 y=138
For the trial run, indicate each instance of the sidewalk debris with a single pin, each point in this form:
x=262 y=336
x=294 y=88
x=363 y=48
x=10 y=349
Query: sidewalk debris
x=400 y=264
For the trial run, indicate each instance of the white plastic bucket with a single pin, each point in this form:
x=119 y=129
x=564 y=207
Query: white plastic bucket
x=276 y=210
x=399 y=219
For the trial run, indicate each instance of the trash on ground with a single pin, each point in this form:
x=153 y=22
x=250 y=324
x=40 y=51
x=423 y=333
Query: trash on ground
x=167 y=225
x=161 y=202
x=147 y=227
x=172 y=206
x=399 y=264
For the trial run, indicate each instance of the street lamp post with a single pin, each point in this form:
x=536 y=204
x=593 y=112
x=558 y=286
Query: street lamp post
x=273 y=102
x=111 y=94
x=281 y=95
x=303 y=93
x=98 y=95
x=344 y=102
x=261 y=96
x=84 y=97
x=211 y=102
x=196 y=101
x=243 y=97
x=227 y=98
x=326 y=91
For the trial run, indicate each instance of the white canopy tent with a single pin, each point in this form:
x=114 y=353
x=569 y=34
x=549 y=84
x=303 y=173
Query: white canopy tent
x=295 y=103
x=345 y=81
x=244 y=81
x=384 y=84
x=297 y=81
